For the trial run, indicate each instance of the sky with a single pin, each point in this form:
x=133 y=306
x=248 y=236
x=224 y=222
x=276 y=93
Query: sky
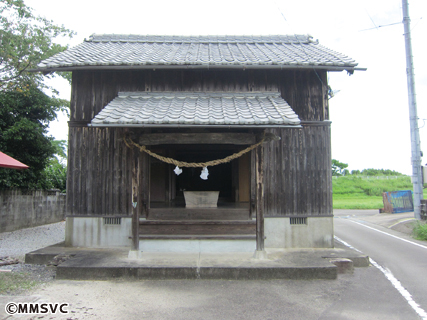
x=369 y=112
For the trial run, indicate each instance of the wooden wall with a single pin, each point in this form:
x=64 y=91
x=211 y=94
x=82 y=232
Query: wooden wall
x=297 y=169
x=305 y=91
x=297 y=172
x=100 y=172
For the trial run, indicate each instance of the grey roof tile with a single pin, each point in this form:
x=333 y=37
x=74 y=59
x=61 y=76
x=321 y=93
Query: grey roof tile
x=108 y=50
x=197 y=108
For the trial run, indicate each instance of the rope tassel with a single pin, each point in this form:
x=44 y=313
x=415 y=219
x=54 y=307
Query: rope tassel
x=177 y=170
x=204 y=174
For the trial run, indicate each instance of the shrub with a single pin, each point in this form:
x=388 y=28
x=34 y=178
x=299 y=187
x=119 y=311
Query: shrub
x=420 y=231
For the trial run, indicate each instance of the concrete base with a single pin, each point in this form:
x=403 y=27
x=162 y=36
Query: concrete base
x=98 y=232
x=103 y=264
x=343 y=265
x=314 y=233
x=197 y=245
x=260 y=255
x=93 y=232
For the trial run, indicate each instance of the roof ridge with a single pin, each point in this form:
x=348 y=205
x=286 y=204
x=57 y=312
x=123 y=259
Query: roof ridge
x=198 y=93
x=290 y=38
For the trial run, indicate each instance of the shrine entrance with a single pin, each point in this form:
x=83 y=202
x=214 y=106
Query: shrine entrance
x=168 y=214
x=230 y=179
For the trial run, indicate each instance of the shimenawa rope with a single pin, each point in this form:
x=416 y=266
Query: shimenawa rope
x=182 y=164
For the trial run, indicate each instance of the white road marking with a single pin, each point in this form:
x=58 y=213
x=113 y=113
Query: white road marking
x=391 y=235
x=396 y=283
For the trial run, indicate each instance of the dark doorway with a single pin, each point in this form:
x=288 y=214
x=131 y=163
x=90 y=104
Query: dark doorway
x=165 y=186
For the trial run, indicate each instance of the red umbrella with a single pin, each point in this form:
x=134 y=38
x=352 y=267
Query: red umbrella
x=9 y=162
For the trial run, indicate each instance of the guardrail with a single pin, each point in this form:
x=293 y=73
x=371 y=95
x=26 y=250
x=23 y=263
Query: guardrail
x=370 y=177
x=424 y=209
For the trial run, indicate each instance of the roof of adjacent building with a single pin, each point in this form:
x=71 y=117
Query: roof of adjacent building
x=145 y=51
x=188 y=109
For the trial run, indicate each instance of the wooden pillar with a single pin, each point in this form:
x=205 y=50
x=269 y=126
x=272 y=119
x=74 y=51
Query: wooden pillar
x=135 y=199
x=144 y=185
x=259 y=199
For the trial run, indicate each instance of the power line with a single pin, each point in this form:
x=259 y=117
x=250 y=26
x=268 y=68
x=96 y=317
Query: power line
x=384 y=25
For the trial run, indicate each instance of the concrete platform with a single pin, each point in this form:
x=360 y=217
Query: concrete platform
x=103 y=264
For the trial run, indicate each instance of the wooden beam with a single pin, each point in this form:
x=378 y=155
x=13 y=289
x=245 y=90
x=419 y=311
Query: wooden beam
x=259 y=199
x=196 y=138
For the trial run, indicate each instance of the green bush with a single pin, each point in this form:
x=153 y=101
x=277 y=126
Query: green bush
x=373 y=191
x=420 y=231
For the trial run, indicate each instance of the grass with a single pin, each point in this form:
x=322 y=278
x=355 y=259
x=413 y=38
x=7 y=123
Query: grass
x=356 y=192
x=357 y=201
x=420 y=231
x=15 y=283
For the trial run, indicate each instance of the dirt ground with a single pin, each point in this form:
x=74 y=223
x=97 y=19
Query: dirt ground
x=366 y=294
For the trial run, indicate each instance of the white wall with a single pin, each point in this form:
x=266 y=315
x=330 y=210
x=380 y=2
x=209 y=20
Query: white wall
x=317 y=233
x=93 y=232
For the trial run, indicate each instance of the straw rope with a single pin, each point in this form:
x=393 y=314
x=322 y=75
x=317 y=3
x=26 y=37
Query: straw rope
x=182 y=164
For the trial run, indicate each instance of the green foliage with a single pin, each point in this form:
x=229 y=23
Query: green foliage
x=420 y=231
x=364 y=189
x=25 y=111
x=25 y=41
x=379 y=172
x=371 y=187
x=60 y=148
x=24 y=118
x=357 y=192
x=55 y=174
x=339 y=168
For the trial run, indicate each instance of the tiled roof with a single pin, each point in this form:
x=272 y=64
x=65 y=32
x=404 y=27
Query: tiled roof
x=142 y=109
x=135 y=51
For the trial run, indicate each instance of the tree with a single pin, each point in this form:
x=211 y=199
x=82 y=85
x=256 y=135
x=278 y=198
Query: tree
x=25 y=40
x=24 y=118
x=55 y=173
x=25 y=109
x=380 y=172
x=339 y=168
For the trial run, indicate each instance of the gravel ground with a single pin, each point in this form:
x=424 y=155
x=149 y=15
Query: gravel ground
x=15 y=244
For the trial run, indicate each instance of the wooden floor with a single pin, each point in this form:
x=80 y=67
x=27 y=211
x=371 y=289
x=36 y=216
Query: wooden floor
x=180 y=203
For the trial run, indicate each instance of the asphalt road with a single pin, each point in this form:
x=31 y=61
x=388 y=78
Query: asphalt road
x=396 y=252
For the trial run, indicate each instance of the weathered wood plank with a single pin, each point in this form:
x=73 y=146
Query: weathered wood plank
x=297 y=169
x=198 y=214
x=197 y=222
x=259 y=169
x=196 y=138
x=135 y=200
x=196 y=227
x=199 y=237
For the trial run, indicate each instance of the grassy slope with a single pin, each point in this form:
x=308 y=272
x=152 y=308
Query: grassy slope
x=355 y=192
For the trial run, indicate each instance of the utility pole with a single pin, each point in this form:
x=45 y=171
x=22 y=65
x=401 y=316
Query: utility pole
x=413 y=117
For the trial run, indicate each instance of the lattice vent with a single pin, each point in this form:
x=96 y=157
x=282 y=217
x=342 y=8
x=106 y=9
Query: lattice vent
x=300 y=221
x=112 y=221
